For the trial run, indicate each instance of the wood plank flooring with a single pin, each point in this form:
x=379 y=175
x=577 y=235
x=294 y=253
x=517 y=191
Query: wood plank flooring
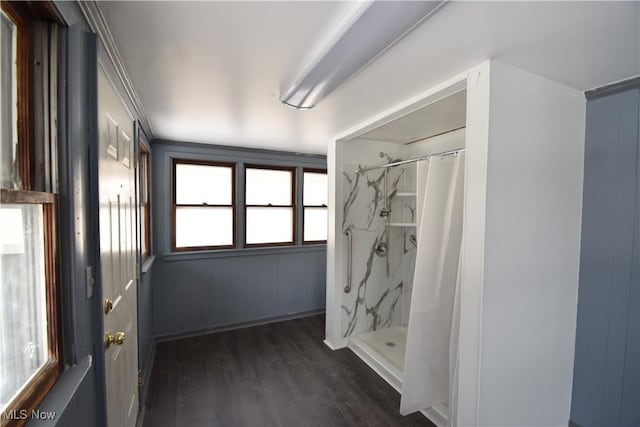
x=280 y=374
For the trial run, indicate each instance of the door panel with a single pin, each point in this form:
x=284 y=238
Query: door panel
x=117 y=253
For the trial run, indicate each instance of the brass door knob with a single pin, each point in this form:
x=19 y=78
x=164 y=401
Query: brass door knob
x=108 y=306
x=118 y=338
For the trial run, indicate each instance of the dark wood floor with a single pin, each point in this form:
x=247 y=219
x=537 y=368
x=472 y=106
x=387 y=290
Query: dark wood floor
x=280 y=374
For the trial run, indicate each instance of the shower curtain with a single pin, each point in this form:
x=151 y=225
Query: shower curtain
x=427 y=373
x=454 y=355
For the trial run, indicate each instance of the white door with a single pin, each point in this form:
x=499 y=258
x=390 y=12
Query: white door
x=117 y=256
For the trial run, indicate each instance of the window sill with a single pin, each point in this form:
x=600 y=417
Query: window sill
x=228 y=253
x=61 y=396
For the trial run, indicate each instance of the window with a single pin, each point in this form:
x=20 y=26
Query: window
x=314 y=200
x=203 y=205
x=145 y=209
x=10 y=157
x=29 y=362
x=29 y=343
x=269 y=206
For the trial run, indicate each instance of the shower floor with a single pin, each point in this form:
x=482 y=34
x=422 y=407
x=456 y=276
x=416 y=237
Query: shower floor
x=383 y=350
x=390 y=343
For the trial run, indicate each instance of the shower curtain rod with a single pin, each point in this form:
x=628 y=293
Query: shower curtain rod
x=417 y=159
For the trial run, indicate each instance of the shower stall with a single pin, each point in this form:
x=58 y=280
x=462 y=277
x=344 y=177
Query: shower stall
x=447 y=276
x=394 y=212
x=379 y=217
x=401 y=189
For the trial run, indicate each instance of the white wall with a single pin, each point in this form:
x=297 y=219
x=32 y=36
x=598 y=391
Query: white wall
x=533 y=215
x=335 y=265
x=437 y=144
x=367 y=152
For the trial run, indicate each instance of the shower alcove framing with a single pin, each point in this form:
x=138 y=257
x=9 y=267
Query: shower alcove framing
x=381 y=204
x=531 y=131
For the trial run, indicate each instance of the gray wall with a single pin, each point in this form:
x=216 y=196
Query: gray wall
x=78 y=395
x=75 y=397
x=146 y=348
x=201 y=291
x=606 y=385
x=146 y=345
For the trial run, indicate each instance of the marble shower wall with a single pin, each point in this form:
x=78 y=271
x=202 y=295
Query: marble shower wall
x=376 y=296
x=381 y=286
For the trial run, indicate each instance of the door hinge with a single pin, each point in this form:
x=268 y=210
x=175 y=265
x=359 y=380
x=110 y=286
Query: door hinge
x=137 y=271
x=140 y=377
x=135 y=160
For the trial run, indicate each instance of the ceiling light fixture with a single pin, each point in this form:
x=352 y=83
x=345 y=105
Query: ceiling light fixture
x=366 y=31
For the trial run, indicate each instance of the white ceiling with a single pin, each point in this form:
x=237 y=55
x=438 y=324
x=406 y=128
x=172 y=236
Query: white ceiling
x=441 y=116
x=211 y=72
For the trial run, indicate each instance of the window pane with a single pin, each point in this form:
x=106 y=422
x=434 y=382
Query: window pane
x=269 y=225
x=199 y=184
x=144 y=203
x=315 y=189
x=265 y=186
x=144 y=183
x=9 y=173
x=204 y=227
x=23 y=306
x=315 y=224
x=143 y=230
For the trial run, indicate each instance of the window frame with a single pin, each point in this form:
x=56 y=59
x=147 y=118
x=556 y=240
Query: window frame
x=29 y=97
x=35 y=390
x=174 y=205
x=146 y=207
x=23 y=14
x=304 y=206
x=293 y=206
x=24 y=74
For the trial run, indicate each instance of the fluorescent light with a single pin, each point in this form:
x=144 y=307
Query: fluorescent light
x=367 y=31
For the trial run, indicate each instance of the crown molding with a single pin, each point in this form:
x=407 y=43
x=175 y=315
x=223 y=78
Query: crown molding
x=613 y=88
x=96 y=21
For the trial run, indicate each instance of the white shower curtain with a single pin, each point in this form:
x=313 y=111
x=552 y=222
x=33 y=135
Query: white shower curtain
x=454 y=355
x=427 y=359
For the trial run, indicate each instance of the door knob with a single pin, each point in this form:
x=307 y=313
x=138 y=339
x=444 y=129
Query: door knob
x=118 y=338
x=108 y=306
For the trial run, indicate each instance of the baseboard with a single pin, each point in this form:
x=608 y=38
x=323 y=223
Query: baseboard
x=240 y=325
x=436 y=417
x=334 y=346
